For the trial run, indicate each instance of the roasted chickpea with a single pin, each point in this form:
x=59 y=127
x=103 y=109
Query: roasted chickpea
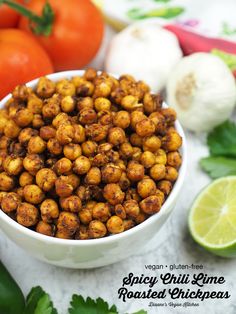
x=25 y=179
x=27 y=214
x=105 y=117
x=137 y=153
x=74 y=180
x=130 y=103
x=33 y=194
x=115 y=225
x=172 y=141
x=37 y=121
x=36 y=145
x=116 y=136
x=101 y=212
x=34 y=104
x=7 y=183
x=161 y=195
x=171 y=174
x=67 y=104
x=90 y=74
x=89 y=148
x=13 y=165
x=23 y=117
x=83 y=193
x=47 y=132
x=5 y=143
x=51 y=108
x=44 y=228
x=170 y=115
x=11 y=129
x=63 y=186
x=111 y=173
x=82 y=233
x=128 y=224
x=100 y=160
x=85 y=216
x=63 y=166
x=124 y=182
x=145 y=127
x=93 y=177
x=126 y=150
x=113 y=193
x=151 y=204
x=81 y=165
x=136 y=140
x=21 y=92
x=33 y=163
x=121 y=119
x=87 y=116
x=102 y=103
x=61 y=119
x=54 y=146
x=65 y=134
x=147 y=159
x=151 y=102
x=10 y=202
x=26 y=134
x=158 y=172
x=102 y=89
x=151 y=143
x=85 y=89
x=165 y=186
x=45 y=87
x=120 y=211
x=67 y=225
x=146 y=187
x=97 y=229
x=174 y=159
x=79 y=133
x=71 y=203
x=65 y=88
x=96 y=132
x=135 y=171
x=131 y=208
x=49 y=210
x=135 y=117
x=84 y=103
x=160 y=123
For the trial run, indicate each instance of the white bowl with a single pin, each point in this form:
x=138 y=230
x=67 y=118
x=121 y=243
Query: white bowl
x=96 y=252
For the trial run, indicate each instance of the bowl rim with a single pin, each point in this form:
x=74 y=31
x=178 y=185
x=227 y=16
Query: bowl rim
x=112 y=238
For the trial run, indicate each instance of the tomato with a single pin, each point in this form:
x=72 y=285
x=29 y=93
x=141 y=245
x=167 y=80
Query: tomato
x=77 y=32
x=21 y=59
x=8 y=17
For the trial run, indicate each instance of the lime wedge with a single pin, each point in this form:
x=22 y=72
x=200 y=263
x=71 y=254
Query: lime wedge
x=212 y=218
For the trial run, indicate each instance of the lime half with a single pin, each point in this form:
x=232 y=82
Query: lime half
x=212 y=218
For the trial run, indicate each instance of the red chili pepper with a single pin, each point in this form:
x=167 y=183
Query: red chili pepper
x=191 y=42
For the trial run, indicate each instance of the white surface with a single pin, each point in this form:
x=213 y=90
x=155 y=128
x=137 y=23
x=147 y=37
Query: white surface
x=171 y=245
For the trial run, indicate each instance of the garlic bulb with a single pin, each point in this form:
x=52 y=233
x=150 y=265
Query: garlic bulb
x=202 y=90
x=146 y=51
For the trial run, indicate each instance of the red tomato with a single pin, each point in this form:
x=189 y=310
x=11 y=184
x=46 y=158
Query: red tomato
x=21 y=59
x=77 y=32
x=8 y=17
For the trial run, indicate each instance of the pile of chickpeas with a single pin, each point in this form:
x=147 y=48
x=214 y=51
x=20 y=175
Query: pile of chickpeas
x=86 y=157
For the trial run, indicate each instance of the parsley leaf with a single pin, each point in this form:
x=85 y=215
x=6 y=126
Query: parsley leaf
x=89 y=306
x=218 y=167
x=222 y=140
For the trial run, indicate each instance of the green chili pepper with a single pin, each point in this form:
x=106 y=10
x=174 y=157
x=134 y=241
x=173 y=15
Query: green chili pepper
x=11 y=297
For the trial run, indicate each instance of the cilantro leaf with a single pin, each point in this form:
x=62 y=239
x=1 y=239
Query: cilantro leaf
x=218 y=167
x=222 y=140
x=141 y=312
x=89 y=306
x=45 y=306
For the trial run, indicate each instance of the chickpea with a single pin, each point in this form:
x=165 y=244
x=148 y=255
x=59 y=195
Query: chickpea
x=165 y=186
x=160 y=123
x=126 y=150
x=63 y=187
x=79 y=134
x=147 y=159
x=111 y=173
x=23 y=117
x=122 y=119
x=13 y=165
x=3 y=122
x=36 y=145
x=131 y=208
x=45 y=87
x=130 y=103
x=102 y=103
x=47 y=132
x=54 y=146
x=33 y=194
x=71 y=204
x=161 y=157
x=170 y=115
x=102 y=90
x=87 y=116
x=158 y=172
x=174 y=159
x=33 y=163
x=100 y=160
x=89 y=148
x=21 y=92
x=85 y=89
x=151 y=143
x=77 y=80
x=27 y=214
x=85 y=216
x=172 y=141
x=115 y=225
x=44 y=228
x=113 y=193
x=67 y=104
x=96 y=132
x=136 y=140
x=101 y=212
x=65 y=88
x=146 y=187
x=171 y=174
x=135 y=171
x=65 y=134
x=26 y=134
x=113 y=156
x=72 y=151
x=151 y=102
x=6 y=182
x=82 y=233
x=105 y=117
x=11 y=129
x=5 y=143
x=116 y=136
x=83 y=193
x=151 y=205
x=81 y=165
x=49 y=210
x=61 y=119
x=120 y=211
x=74 y=180
x=124 y=182
x=145 y=127
x=90 y=205
x=90 y=74
x=161 y=195
x=128 y=224
x=84 y=103
x=25 y=179
x=135 y=117
x=97 y=229
x=34 y=104
x=137 y=153
x=51 y=108
x=63 y=166
x=67 y=225
x=93 y=177
x=10 y=202
x=38 y=121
